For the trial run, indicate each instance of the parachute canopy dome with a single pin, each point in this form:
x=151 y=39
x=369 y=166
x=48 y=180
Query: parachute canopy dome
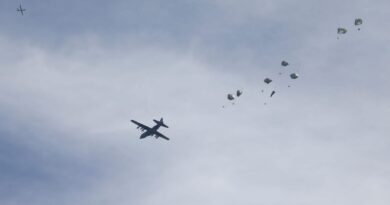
x=341 y=31
x=267 y=80
x=294 y=76
x=239 y=93
x=230 y=97
x=358 y=22
x=284 y=63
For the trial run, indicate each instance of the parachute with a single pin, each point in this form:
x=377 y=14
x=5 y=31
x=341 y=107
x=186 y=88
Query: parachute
x=341 y=31
x=358 y=22
x=268 y=91
x=294 y=76
x=284 y=63
x=230 y=97
x=239 y=93
x=267 y=80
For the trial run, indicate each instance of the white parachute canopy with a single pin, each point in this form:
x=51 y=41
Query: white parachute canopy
x=358 y=22
x=341 y=31
x=230 y=96
x=294 y=76
x=284 y=63
x=239 y=93
x=267 y=80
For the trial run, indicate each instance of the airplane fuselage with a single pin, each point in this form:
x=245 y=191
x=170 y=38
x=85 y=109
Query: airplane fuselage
x=21 y=10
x=150 y=132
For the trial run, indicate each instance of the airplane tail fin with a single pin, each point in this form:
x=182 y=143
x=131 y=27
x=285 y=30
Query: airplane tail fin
x=161 y=122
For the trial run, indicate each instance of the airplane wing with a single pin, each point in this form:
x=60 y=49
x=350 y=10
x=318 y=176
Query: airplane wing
x=143 y=127
x=160 y=135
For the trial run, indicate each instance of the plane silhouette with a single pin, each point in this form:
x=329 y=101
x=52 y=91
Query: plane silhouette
x=151 y=131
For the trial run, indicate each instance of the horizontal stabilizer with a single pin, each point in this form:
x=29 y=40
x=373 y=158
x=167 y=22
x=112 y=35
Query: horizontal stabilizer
x=161 y=122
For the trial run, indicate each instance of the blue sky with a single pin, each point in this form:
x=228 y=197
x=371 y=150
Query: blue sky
x=73 y=74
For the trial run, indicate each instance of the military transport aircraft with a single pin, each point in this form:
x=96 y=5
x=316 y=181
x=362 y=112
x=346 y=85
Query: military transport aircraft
x=151 y=131
x=20 y=9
